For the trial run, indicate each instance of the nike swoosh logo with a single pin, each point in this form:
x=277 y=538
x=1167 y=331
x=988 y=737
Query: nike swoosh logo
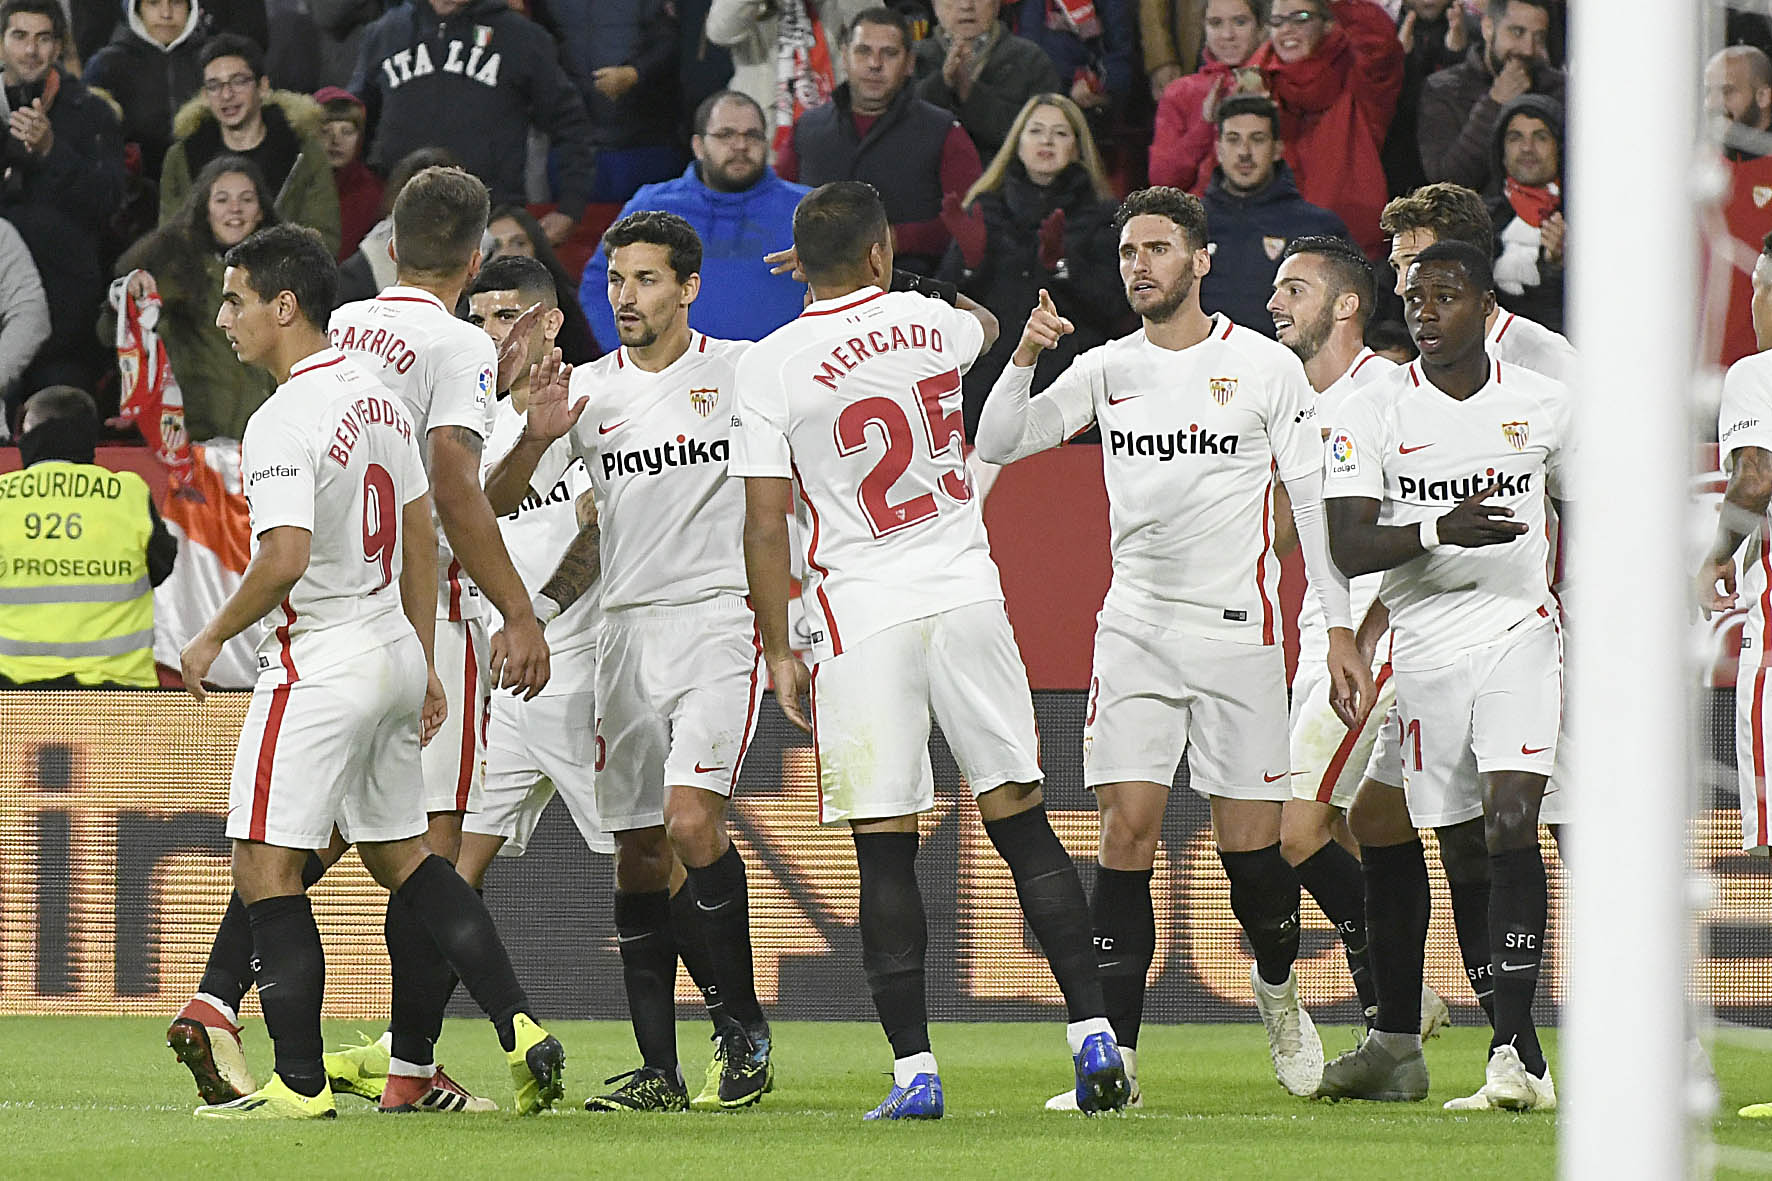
x=604 y=428
x=1403 y=450
x=1266 y=778
x=1507 y=967
x=1113 y=401
x=701 y=770
x=1535 y=750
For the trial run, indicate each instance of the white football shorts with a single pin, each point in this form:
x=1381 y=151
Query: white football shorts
x=534 y=749
x=678 y=695
x=455 y=760
x=340 y=747
x=1751 y=688
x=871 y=708
x=1328 y=759
x=1498 y=707
x=1158 y=693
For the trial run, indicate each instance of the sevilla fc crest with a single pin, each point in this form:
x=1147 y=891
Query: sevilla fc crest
x=1516 y=434
x=703 y=400
x=1223 y=389
x=1274 y=247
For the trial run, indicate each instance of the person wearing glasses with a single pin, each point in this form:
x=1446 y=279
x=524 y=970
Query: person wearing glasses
x=1335 y=68
x=238 y=114
x=739 y=208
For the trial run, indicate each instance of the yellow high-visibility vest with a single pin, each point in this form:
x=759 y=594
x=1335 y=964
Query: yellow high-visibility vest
x=75 y=599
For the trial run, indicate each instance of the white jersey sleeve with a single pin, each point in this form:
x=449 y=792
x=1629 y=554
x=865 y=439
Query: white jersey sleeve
x=1292 y=427
x=1745 y=417
x=464 y=369
x=1353 y=456
x=278 y=455
x=1531 y=345
x=759 y=422
x=1013 y=427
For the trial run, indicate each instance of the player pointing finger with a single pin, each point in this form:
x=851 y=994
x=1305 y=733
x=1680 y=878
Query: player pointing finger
x=1044 y=329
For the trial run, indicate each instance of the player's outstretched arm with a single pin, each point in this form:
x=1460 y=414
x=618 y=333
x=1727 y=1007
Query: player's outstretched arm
x=551 y=415
x=473 y=534
x=985 y=317
x=1014 y=425
x=418 y=599
x=768 y=500
x=1744 y=507
x=1360 y=545
x=281 y=560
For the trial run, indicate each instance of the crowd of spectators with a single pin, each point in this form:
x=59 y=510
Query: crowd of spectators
x=144 y=136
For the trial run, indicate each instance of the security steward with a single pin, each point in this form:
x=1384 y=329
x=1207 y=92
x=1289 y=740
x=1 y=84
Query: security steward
x=81 y=550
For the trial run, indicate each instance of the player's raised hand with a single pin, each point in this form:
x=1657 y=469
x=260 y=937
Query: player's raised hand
x=1351 y=687
x=1474 y=522
x=792 y=684
x=513 y=350
x=1045 y=328
x=518 y=658
x=195 y=661
x=435 y=710
x=1716 y=573
x=551 y=411
x=786 y=262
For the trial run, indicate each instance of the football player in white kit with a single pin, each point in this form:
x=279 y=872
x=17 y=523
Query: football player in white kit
x=851 y=414
x=679 y=672
x=1439 y=477
x=1744 y=432
x=336 y=486
x=1198 y=417
x=1323 y=298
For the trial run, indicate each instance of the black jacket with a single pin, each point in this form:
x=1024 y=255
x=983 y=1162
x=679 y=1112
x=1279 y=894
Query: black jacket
x=474 y=84
x=1543 y=303
x=638 y=33
x=1015 y=69
x=1246 y=236
x=1008 y=282
x=149 y=82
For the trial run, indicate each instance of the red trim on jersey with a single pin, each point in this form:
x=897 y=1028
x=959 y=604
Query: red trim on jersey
x=430 y=299
x=1505 y=325
x=1414 y=376
x=1229 y=326
x=750 y=709
x=817 y=763
x=812 y=561
x=844 y=308
x=1326 y=787
x=454 y=591
x=703 y=347
x=1759 y=745
x=294 y=373
x=267 y=745
x=1267 y=546
x=619 y=363
x=1498 y=371
x=470 y=676
x=1361 y=364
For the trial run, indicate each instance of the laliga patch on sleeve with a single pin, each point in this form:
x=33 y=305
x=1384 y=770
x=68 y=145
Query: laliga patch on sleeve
x=483 y=393
x=1343 y=459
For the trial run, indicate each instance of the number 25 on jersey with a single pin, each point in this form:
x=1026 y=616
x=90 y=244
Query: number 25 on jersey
x=943 y=433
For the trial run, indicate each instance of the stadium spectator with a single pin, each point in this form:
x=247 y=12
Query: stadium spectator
x=1435 y=35
x=1390 y=339
x=359 y=188
x=703 y=68
x=623 y=55
x=741 y=211
x=58 y=628
x=875 y=130
x=1169 y=38
x=1738 y=87
x=1181 y=149
x=1334 y=67
x=95 y=22
x=1459 y=106
x=24 y=319
x=61 y=178
x=514 y=230
x=1092 y=44
x=1041 y=217
x=365 y=273
x=473 y=76
x=238 y=114
x=182 y=260
x=785 y=55
x=980 y=71
x=150 y=66
x=1528 y=211
x=1253 y=209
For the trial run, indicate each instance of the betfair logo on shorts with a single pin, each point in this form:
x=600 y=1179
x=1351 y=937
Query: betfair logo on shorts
x=1501 y=483
x=1167 y=446
x=650 y=461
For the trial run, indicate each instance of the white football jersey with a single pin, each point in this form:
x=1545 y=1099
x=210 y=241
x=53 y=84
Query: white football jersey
x=333 y=452
x=536 y=535
x=656 y=446
x=1191 y=442
x=444 y=370
x=858 y=401
x=1531 y=345
x=1418 y=453
x=1313 y=630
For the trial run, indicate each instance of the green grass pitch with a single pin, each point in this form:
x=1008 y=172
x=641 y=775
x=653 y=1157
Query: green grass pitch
x=103 y=1097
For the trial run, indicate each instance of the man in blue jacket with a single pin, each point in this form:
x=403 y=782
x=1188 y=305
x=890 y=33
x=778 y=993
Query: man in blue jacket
x=1253 y=209
x=741 y=210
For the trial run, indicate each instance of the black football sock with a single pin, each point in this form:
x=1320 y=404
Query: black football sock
x=894 y=937
x=290 y=966
x=459 y=924
x=1125 y=943
x=422 y=983
x=228 y=974
x=1470 y=919
x=1332 y=876
x=692 y=949
x=1517 y=906
x=722 y=899
x=1397 y=907
x=1052 y=901
x=649 y=973
x=1264 y=897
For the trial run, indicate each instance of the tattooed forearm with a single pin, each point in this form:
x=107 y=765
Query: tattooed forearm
x=459 y=436
x=1745 y=500
x=579 y=567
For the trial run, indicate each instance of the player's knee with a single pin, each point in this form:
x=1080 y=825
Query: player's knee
x=697 y=832
x=1380 y=816
x=1126 y=841
x=1302 y=833
x=642 y=860
x=1464 y=851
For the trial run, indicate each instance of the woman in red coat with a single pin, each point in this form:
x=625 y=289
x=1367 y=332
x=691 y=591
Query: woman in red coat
x=1181 y=150
x=1335 y=68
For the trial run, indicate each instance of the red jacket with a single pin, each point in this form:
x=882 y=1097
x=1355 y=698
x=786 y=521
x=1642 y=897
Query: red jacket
x=1181 y=149
x=359 y=204
x=1335 y=110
